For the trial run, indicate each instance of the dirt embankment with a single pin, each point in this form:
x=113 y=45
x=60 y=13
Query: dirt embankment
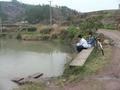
x=106 y=79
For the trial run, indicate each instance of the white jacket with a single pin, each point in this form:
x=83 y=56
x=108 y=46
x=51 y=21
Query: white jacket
x=83 y=43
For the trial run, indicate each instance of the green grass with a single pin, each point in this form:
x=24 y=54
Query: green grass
x=34 y=86
x=30 y=33
x=109 y=26
x=34 y=36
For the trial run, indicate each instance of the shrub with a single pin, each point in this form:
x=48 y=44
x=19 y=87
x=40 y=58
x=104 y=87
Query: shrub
x=32 y=29
x=19 y=36
x=109 y=26
x=72 y=31
x=90 y=24
x=46 y=30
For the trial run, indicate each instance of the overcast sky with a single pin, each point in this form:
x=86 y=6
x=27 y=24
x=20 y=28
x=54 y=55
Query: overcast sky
x=79 y=5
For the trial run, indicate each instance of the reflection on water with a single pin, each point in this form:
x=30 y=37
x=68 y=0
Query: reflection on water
x=20 y=59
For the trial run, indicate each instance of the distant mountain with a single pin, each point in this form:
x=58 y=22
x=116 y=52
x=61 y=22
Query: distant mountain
x=15 y=11
x=11 y=10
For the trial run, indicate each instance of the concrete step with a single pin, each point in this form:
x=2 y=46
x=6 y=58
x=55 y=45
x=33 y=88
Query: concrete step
x=81 y=57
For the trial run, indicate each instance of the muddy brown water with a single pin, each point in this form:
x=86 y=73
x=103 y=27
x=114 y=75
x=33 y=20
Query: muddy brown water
x=24 y=58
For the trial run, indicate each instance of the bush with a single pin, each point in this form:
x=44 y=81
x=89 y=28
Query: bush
x=109 y=26
x=72 y=31
x=63 y=35
x=46 y=30
x=19 y=36
x=90 y=25
x=32 y=29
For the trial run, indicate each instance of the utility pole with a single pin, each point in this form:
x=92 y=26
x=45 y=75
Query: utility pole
x=0 y=25
x=119 y=5
x=50 y=14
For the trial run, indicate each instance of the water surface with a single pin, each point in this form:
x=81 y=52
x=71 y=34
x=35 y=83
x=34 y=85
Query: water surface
x=23 y=58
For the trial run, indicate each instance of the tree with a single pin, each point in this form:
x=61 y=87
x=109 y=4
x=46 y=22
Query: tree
x=2 y=14
x=14 y=1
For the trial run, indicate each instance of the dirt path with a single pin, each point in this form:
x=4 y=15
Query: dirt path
x=109 y=78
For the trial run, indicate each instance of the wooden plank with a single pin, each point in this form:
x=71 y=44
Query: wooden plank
x=27 y=80
x=81 y=57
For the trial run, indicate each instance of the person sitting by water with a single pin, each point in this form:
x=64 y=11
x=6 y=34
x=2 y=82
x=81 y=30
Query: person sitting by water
x=82 y=44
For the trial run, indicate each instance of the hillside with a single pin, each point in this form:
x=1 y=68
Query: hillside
x=106 y=16
x=15 y=11
x=11 y=10
x=109 y=18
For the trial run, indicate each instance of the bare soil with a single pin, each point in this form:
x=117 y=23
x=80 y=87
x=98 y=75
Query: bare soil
x=106 y=79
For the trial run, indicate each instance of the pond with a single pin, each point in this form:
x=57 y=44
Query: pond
x=24 y=58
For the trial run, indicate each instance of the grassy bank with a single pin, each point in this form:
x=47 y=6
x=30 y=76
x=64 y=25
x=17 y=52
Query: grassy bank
x=34 y=86
x=94 y=63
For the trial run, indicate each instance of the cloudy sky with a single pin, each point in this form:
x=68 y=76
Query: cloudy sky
x=79 y=5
